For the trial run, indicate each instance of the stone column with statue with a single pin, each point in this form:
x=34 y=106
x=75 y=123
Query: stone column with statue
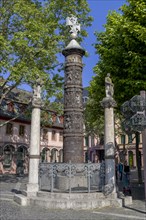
x=73 y=106
x=33 y=186
x=108 y=103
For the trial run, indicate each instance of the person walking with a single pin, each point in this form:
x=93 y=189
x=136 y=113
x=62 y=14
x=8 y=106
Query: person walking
x=120 y=170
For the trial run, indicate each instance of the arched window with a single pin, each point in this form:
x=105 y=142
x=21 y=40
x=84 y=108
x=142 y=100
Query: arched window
x=21 y=152
x=54 y=155
x=45 y=154
x=8 y=155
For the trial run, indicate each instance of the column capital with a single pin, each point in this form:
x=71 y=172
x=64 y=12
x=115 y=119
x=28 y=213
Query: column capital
x=108 y=102
x=37 y=102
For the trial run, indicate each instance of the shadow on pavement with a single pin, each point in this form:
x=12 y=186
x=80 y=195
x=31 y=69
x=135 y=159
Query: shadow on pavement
x=134 y=209
x=8 y=178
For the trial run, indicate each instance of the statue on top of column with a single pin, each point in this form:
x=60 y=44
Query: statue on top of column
x=109 y=86
x=37 y=92
x=74 y=25
x=37 y=89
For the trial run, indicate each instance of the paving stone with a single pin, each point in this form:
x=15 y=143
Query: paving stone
x=9 y=210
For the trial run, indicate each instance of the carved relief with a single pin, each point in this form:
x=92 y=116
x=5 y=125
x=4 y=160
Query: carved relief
x=68 y=76
x=68 y=99
x=73 y=122
x=73 y=75
x=78 y=124
x=68 y=122
x=73 y=98
x=74 y=59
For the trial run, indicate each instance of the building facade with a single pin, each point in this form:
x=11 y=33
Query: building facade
x=126 y=149
x=15 y=141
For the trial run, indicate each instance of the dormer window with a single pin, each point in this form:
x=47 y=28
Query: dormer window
x=9 y=128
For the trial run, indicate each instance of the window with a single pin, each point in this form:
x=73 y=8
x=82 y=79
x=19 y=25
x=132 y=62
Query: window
x=9 y=128
x=21 y=153
x=61 y=136
x=86 y=141
x=122 y=139
x=54 y=155
x=45 y=134
x=8 y=154
x=1 y=151
x=21 y=130
x=53 y=135
x=130 y=138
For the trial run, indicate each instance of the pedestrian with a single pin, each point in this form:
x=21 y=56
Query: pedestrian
x=116 y=171
x=126 y=179
x=120 y=170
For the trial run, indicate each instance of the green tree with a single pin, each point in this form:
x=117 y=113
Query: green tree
x=122 y=52
x=32 y=34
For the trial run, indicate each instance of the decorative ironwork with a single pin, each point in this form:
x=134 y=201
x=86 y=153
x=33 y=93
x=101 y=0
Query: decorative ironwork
x=72 y=171
x=127 y=126
x=134 y=122
x=138 y=121
x=126 y=110
x=137 y=103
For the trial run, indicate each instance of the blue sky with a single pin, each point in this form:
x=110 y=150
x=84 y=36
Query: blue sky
x=99 y=11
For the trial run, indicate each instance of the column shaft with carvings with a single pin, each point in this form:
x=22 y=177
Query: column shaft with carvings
x=73 y=105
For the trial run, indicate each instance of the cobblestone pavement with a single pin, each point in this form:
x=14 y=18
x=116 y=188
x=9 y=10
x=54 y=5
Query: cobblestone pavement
x=9 y=210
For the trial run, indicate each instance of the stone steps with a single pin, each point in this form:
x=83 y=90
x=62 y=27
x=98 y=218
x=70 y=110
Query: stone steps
x=68 y=196
x=75 y=201
x=62 y=203
x=6 y=196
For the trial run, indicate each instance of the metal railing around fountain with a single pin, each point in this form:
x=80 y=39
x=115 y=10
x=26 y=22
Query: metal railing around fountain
x=70 y=177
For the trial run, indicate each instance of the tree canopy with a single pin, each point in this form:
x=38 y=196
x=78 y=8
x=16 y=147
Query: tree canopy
x=122 y=53
x=32 y=34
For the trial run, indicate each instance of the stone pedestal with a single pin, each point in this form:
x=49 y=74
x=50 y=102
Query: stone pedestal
x=73 y=105
x=109 y=144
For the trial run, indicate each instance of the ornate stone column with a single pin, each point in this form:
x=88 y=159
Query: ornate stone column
x=108 y=103
x=73 y=105
x=33 y=186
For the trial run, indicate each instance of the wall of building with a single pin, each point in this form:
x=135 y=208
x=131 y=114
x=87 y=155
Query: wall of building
x=126 y=145
x=15 y=143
